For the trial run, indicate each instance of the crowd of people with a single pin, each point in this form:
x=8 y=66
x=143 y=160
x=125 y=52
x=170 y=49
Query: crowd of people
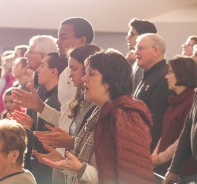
x=73 y=112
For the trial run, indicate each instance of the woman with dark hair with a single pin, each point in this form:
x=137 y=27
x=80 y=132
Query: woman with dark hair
x=79 y=107
x=114 y=144
x=182 y=79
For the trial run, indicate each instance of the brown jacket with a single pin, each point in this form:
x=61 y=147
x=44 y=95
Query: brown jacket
x=122 y=142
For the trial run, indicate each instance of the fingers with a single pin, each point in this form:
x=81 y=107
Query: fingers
x=49 y=163
x=58 y=164
x=8 y=116
x=51 y=143
x=48 y=148
x=55 y=129
x=50 y=127
x=22 y=118
x=31 y=88
x=45 y=134
x=69 y=155
x=17 y=94
x=38 y=156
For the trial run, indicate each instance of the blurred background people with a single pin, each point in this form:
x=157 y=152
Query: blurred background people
x=19 y=51
x=7 y=78
x=30 y=77
x=187 y=47
x=19 y=71
x=194 y=55
x=13 y=143
x=9 y=104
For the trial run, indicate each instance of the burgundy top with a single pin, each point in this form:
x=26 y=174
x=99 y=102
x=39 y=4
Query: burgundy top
x=173 y=123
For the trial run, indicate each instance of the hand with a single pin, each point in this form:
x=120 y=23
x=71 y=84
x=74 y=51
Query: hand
x=8 y=116
x=131 y=57
x=30 y=99
x=155 y=160
x=70 y=163
x=22 y=118
x=53 y=154
x=171 y=177
x=57 y=138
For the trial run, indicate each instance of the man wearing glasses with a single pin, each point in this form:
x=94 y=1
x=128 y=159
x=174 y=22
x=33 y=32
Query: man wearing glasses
x=187 y=47
x=39 y=47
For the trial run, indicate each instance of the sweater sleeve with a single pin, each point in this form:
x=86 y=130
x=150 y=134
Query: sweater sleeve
x=183 y=150
x=34 y=142
x=90 y=174
x=167 y=155
x=50 y=115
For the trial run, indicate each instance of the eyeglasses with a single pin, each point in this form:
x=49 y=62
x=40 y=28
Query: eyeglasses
x=188 y=44
x=2 y=151
x=31 y=52
x=170 y=71
x=132 y=34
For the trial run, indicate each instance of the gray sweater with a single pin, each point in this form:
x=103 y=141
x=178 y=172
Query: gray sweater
x=22 y=178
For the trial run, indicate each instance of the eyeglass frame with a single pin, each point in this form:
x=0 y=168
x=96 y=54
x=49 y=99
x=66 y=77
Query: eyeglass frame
x=31 y=52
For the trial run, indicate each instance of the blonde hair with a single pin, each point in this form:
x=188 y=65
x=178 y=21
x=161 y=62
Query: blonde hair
x=13 y=137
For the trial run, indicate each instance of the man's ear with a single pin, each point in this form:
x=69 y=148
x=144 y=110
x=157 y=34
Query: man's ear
x=13 y=156
x=54 y=72
x=43 y=56
x=156 y=50
x=82 y=40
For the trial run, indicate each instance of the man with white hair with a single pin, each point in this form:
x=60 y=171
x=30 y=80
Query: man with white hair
x=153 y=89
x=39 y=47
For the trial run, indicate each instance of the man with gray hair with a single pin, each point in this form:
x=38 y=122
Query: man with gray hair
x=137 y=27
x=153 y=89
x=39 y=47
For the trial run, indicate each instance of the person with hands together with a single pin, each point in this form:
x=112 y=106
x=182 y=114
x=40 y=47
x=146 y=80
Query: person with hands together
x=56 y=137
x=48 y=74
x=100 y=149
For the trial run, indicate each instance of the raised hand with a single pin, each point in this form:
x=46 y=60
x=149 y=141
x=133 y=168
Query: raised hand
x=22 y=118
x=70 y=163
x=30 y=99
x=56 y=137
x=53 y=155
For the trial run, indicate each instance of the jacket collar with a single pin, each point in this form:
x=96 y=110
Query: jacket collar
x=126 y=102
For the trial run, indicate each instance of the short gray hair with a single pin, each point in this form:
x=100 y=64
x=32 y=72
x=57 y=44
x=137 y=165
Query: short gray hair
x=44 y=44
x=155 y=41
